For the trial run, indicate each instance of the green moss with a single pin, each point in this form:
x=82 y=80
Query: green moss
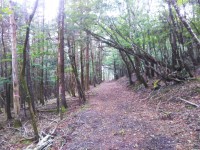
x=26 y=141
x=17 y=123
x=197 y=90
x=189 y=106
x=84 y=107
x=1 y=126
x=137 y=86
x=63 y=109
x=50 y=110
x=197 y=79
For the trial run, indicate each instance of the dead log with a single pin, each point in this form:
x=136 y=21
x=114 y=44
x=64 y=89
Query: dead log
x=44 y=143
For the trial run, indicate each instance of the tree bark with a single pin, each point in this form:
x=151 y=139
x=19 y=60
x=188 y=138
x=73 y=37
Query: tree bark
x=185 y=23
x=4 y=72
x=22 y=75
x=87 y=74
x=71 y=52
x=127 y=67
x=61 y=85
x=16 y=96
x=82 y=65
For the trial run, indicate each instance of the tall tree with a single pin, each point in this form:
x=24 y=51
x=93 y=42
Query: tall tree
x=185 y=23
x=15 y=78
x=61 y=68
x=87 y=57
x=23 y=72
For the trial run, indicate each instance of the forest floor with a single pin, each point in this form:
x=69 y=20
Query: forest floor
x=118 y=117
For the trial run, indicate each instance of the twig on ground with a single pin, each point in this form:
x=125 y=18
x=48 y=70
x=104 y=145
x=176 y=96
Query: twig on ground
x=14 y=128
x=158 y=105
x=148 y=97
x=188 y=102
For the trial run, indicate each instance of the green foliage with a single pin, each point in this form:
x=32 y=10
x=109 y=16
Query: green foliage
x=182 y=2
x=156 y=84
x=197 y=90
x=4 y=80
x=6 y=60
x=68 y=69
x=26 y=141
x=63 y=109
x=110 y=56
x=5 y=11
x=17 y=123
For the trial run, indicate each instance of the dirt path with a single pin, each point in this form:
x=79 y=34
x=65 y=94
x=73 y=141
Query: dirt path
x=115 y=119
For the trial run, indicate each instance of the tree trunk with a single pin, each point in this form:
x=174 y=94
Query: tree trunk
x=29 y=78
x=127 y=67
x=61 y=85
x=93 y=68
x=7 y=86
x=82 y=64
x=16 y=96
x=23 y=77
x=87 y=74
x=81 y=93
x=115 y=70
x=185 y=23
x=137 y=72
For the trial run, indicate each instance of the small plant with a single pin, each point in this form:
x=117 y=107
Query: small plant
x=63 y=109
x=156 y=85
x=17 y=124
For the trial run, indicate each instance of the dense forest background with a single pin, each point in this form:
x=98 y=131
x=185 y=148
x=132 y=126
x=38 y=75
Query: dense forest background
x=91 y=41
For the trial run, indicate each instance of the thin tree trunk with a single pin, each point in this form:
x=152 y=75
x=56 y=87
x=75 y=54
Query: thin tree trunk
x=23 y=77
x=185 y=23
x=137 y=72
x=82 y=66
x=127 y=67
x=42 y=61
x=93 y=69
x=5 y=74
x=61 y=85
x=87 y=74
x=81 y=93
x=29 y=78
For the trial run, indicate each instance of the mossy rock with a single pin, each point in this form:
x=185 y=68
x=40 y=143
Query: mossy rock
x=17 y=123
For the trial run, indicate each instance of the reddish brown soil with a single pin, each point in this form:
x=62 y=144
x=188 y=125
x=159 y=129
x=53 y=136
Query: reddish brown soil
x=120 y=118
x=116 y=118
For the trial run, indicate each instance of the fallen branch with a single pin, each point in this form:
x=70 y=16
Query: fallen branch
x=43 y=144
x=47 y=110
x=46 y=140
x=188 y=102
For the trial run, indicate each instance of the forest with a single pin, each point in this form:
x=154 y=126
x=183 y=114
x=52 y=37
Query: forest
x=75 y=73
